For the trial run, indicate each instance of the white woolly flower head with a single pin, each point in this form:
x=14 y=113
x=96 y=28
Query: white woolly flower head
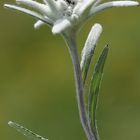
x=64 y=15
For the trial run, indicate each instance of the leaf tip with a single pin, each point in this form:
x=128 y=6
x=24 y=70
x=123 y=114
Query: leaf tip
x=6 y=5
x=10 y=123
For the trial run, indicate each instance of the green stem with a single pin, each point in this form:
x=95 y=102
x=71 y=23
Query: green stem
x=71 y=42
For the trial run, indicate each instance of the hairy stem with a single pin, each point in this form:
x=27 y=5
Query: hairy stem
x=71 y=42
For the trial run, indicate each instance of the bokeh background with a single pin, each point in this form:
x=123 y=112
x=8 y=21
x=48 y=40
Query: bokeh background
x=37 y=85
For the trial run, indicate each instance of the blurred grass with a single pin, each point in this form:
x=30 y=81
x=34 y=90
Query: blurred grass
x=37 y=85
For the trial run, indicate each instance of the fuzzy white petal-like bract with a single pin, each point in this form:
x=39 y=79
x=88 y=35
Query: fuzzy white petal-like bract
x=60 y=26
x=111 y=4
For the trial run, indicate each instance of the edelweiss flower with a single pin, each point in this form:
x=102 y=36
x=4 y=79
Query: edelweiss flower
x=64 y=15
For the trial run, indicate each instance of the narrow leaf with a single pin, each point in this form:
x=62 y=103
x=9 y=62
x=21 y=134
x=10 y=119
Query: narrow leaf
x=26 y=131
x=89 y=48
x=94 y=89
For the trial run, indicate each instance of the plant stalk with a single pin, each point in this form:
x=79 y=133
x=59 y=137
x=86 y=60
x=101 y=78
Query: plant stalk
x=71 y=42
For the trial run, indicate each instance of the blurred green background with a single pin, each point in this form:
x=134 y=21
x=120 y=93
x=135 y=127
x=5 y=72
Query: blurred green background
x=37 y=85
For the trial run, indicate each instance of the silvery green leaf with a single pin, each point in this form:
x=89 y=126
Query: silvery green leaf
x=26 y=131
x=94 y=89
x=89 y=48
